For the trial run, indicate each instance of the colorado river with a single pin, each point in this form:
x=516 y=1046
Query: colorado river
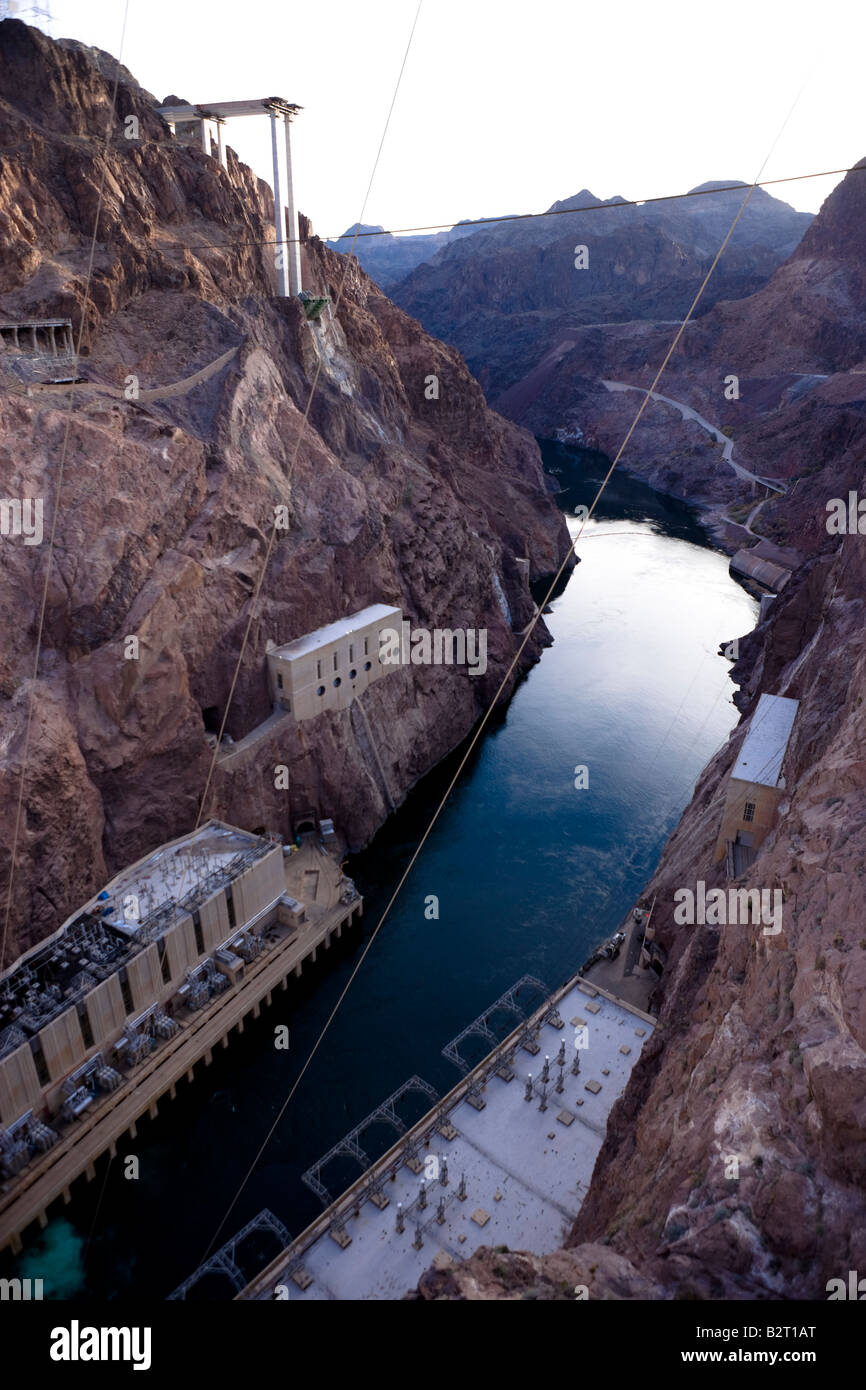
x=528 y=873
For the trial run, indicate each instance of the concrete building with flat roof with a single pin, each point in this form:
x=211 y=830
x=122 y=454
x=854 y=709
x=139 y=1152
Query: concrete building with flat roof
x=133 y=949
x=756 y=783
x=328 y=668
x=102 y=1019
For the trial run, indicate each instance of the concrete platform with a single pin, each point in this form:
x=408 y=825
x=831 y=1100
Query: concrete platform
x=624 y=976
x=526 y=1169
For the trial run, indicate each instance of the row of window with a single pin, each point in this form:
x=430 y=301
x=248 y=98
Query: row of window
x=351 y=658
x=338 y=680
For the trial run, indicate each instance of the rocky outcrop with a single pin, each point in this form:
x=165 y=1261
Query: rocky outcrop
x=544 y=338
x=588 y=1272
x=793 y=400
x=160 y=497
x=734 y=1163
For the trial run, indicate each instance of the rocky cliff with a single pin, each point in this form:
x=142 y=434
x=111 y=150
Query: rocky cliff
x=734 y=1164
x=780 y=370
x=160 y=471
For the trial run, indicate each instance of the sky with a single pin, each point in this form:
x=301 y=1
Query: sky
x=506 y=107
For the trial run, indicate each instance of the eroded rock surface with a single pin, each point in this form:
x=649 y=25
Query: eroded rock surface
x=162 y=507
x=587 y=1272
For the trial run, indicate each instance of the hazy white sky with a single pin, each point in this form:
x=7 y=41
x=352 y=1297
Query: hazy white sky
x=507 y=106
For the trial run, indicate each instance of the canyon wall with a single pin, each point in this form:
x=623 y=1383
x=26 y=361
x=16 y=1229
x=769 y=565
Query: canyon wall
x=772 y=357
x=159 y=493
x=161 y=510
x=734 y=1164
x=782 y=372
x=508 y=293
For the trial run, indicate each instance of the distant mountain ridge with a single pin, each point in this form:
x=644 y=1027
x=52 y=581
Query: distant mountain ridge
x=702 y=224
x=505 y=294
x=386 y=258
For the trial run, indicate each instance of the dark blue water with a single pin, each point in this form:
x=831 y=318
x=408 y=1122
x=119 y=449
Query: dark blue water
x=529 y=874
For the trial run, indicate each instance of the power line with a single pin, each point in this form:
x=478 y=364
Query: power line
x=512 y=217
x=600 y=207
x=502 y=686
x=649 y=393
x=291 y=470
x=255 y=597
x=530 y=628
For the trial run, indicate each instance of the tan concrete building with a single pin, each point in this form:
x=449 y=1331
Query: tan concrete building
x=327 y=668
x=756 y=784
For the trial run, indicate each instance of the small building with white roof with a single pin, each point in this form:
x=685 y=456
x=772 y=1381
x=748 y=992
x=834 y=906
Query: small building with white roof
x=328 y=668
x=756 y=783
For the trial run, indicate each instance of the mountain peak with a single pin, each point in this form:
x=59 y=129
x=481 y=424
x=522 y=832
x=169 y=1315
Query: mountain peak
x=713 y=185
x=579 y=200
x=363 y=229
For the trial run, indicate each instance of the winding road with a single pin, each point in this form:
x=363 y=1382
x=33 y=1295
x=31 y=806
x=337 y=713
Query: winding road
x=688 y=413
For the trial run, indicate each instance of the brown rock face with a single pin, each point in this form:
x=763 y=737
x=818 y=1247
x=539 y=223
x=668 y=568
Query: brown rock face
x=543 y=337
x=734 y=1163
x=587 y=1272
x=507 y=293
x=162 y=505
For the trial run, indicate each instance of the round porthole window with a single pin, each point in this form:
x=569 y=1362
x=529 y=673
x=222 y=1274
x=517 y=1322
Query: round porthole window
x=338 y=680
x=321 y=690
x=367 y=665
x=352 y=675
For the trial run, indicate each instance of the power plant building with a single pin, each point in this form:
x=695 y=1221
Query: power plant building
x=165 y=934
